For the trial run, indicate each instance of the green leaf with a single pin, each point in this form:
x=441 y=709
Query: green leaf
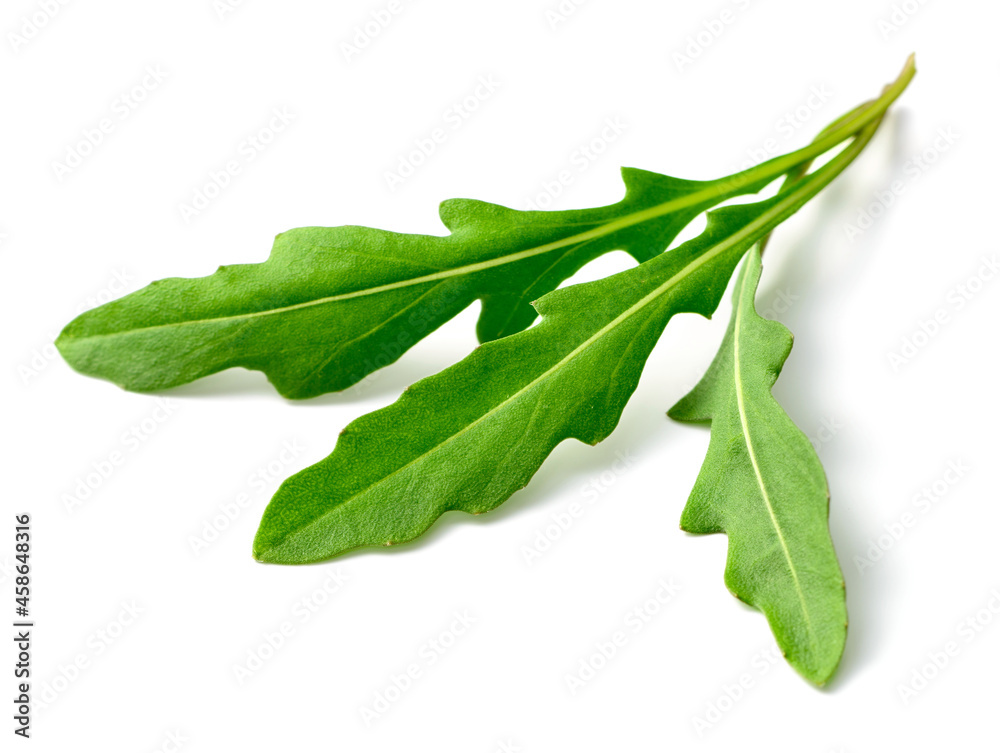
x=469 y=437
x=762 y=484
x=331 y=305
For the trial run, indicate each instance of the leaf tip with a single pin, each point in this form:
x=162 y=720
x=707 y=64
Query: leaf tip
x=61 y=341
x=819 y=677
x=260 y=549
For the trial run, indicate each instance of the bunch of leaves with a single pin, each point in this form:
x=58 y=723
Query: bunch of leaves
x=331 y=305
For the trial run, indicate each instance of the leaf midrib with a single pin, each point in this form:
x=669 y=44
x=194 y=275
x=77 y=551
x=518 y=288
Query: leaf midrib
x=744 y=423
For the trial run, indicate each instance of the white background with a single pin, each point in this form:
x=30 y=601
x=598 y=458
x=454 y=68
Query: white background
x=884 y=434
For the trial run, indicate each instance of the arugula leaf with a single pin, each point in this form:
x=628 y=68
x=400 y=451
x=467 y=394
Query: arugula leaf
x=469 y=437
x=331 y=305
x=762 y=484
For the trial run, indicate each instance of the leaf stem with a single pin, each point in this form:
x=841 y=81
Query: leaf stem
x=842 y=128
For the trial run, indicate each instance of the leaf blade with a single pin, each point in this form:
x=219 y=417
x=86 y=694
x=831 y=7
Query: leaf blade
x=368 y=291
x=763 y=485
